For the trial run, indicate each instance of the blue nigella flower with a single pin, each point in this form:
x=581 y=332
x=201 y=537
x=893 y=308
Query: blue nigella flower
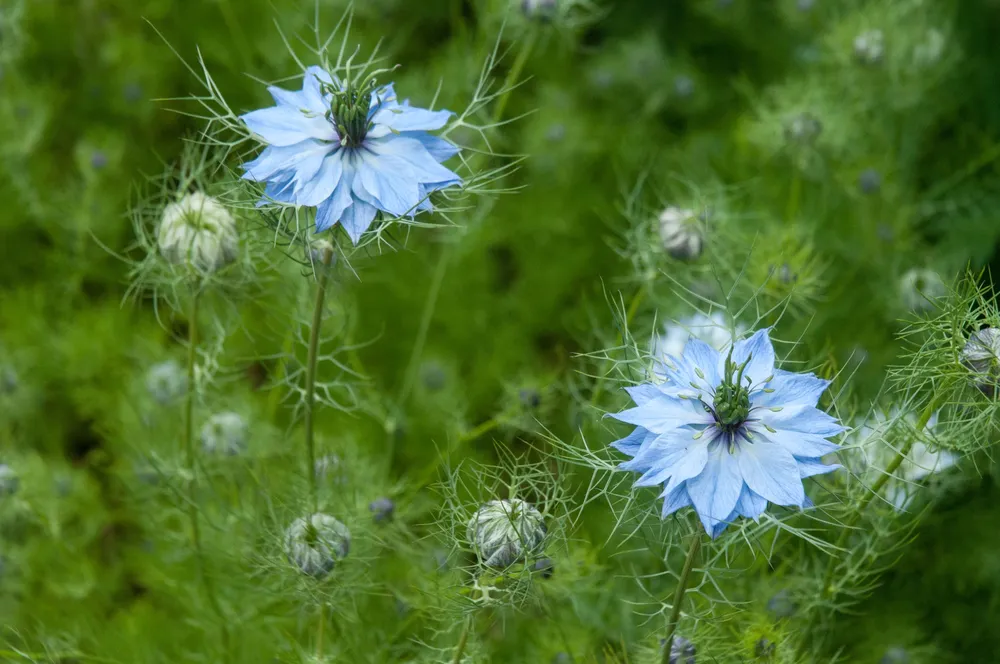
x=727 y=434
x=350 y=150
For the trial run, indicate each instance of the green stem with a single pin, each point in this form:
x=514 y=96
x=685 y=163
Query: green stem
x=513 y=75
x=319 y=632
x=794 y=197
x=682 y=585
x=897 y=461
x=629 y=315
x=311 y=362
x=463 y=639
x=189 y=464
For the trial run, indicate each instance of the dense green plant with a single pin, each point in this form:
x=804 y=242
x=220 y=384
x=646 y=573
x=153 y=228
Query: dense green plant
x=226 y=437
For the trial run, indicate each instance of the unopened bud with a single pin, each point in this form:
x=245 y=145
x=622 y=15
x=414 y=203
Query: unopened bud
x=981 y=355
x=198 y=232
x=224 y=433
x=315 y=544
x=382 y=509
x=539 y=9
x=920 y=288
x=682 y=233
x=803 y=129
x=9 y=481
x=506 y=531
x=166 y=381
x=869 y=47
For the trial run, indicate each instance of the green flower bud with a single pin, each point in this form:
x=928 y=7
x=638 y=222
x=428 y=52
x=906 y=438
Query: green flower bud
x=504 y=532
x=198 y=232
x=224 y=433
x=315 y=544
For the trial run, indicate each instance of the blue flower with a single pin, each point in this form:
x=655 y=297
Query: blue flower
x=728 y=433
x=350 y=151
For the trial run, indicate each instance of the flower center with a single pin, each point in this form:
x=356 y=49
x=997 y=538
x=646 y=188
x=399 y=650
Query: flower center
x=732 y=398
x=350 y=110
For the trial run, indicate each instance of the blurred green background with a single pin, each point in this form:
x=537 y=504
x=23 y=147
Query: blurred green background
x=691 y=98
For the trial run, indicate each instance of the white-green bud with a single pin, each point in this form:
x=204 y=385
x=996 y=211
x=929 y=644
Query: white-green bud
x=930 y=50
x=321 y=251
x=224 y=433
x=315 y=544
x=166 y=381
x=506 y=531
x=981 y=355
x=9 y=481
x=869 y=47
x=198 y=232
x=803 y=129
x=682 y=232
x=920 y=287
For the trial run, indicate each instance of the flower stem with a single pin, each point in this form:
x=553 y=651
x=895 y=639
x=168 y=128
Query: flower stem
x=463 y=639
x=319 y=631
x=682 y=585
x=513 y=75
x=189 y=466
x=311 y=361
x=897 y=461
x=633 y=307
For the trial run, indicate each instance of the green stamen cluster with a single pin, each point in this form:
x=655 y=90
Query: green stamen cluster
x=732 y=397
x=349 y=111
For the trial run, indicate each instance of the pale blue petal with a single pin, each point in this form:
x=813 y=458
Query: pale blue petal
x=276 y=191
x=390 y=120
x=811 y=467
x=759 y=348
x=283 y=97
x=357 y=218
x=283 y=125
x=750 y=504
x=439 y=148
x=631 y=443
x=643 y=393
x=664 y=414
x=796 y=442
x=312 y=93
x=723 y=524
x=425 y=168
x=667 y=456
x=805 y=419
x=386 y=182
x=791 y=389
x=699 y=355
x=771 y=471
x=287 y=162
x=715 y=491
x=674 y=500
x=321 y=185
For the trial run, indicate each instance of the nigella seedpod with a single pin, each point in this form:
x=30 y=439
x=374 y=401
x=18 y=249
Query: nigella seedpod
x=869 y=47
x=166 y=381
x=198 y=232
x=382 y=509
x=682 y=232
x=506 y=531
x=9 y=481
x=981 y=355
x=224 y=433
x=315 y=544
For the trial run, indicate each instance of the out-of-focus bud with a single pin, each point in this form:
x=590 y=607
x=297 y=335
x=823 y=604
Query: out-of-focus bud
x=981 y=355
x=781 y=605
x=539 y=9
x=682 y=232
x=870 y=181
x=166 y=381
x=9 y=481
x=8 y=380
x=382 y=509
x=545 y=567
x=920 y=288
x=198 y=232
x=803 y=129
x=224 y=433
x=682 y=651
x=869 y=47
x=895 y=655
x=506 y=531
x=315 y=544
x=330 y=468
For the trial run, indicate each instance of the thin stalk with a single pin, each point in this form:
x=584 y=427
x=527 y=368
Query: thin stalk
x=463 y=639
x=896 y=462
x=189 y=464
x=311 y=361
x=682 y=585
x=319 y=632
